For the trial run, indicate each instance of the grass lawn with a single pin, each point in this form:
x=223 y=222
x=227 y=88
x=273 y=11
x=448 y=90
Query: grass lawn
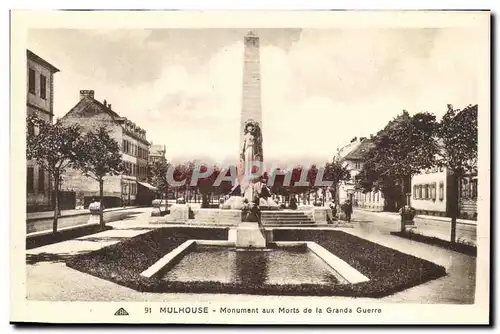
x=389 y=271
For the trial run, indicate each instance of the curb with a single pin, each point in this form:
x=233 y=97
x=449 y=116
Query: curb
x=62 y=229
x=436 y=219
x=83 y=213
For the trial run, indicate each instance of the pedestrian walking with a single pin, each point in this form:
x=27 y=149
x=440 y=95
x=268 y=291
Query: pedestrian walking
x=347 y=208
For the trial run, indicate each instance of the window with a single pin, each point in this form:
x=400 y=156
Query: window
x=31 y=81
x=474 y=188
x=465 y=190
x=41 y=180
x=414 y=191
x=420 y=191
x=433 y=191
x=378 y=196
x=426 y=191
x=127 y=168
x=43 y=86
x=441 y=191
x=29 y=179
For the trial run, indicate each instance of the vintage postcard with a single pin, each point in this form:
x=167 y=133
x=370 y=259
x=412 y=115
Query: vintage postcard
x=250 y=167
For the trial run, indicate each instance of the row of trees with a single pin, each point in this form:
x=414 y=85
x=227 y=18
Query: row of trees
x=58 y=147
x=409 y=144
x=333 y=171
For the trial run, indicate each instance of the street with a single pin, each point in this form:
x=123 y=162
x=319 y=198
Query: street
x=110 y=216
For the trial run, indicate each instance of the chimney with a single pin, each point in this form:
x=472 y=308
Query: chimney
x=105 y=103
x=86 y=93
x=109 y=106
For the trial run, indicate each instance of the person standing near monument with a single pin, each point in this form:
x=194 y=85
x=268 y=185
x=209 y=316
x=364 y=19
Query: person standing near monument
x=347 y=208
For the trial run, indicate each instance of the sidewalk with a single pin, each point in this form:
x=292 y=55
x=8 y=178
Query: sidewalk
x=424 y=217
x=457 y=287
x=33 y=216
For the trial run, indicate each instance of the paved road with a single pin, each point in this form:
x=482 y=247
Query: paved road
x=388 y=223
x=46 y=224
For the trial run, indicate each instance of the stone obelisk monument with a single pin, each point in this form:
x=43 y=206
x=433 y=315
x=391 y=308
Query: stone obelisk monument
x=251 y=118
x=251 y=98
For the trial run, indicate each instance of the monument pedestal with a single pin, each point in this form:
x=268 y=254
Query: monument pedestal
x=249 y=235
x=179 y=213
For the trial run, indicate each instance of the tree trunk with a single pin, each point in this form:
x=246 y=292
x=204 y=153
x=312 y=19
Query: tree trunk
x=337 y=197
x=101 y=211
x=403 y=196
x=204 y=200
x=56 y=203
x=455 y=198
x=166 y=192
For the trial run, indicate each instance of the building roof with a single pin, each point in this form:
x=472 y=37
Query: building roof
x=95 y=104
x=41 y=61
x=359 y=152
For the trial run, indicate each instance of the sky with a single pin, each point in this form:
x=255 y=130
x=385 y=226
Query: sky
x=320 y=88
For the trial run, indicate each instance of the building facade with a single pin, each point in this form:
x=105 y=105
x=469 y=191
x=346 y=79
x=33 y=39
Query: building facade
x=430 y=189
x=432 y=195
x=119 y=190
x=40 y=102
x=352 y=156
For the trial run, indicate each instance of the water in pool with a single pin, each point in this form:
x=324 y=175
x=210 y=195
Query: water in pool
x=290 y=265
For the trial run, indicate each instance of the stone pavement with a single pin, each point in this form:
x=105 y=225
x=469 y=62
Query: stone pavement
x=48 y=278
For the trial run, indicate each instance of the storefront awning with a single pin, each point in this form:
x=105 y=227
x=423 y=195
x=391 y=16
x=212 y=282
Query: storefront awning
x=147 y=185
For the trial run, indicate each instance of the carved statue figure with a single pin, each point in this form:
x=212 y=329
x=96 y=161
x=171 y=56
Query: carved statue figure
x=252 y=145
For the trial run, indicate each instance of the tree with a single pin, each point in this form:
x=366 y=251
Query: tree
x=183 y=171
x=101 y=157
x=458 y=131
x=205 y=185
x=157 y=175
x=405 y=147
x=55 y=148
x=336 y=172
